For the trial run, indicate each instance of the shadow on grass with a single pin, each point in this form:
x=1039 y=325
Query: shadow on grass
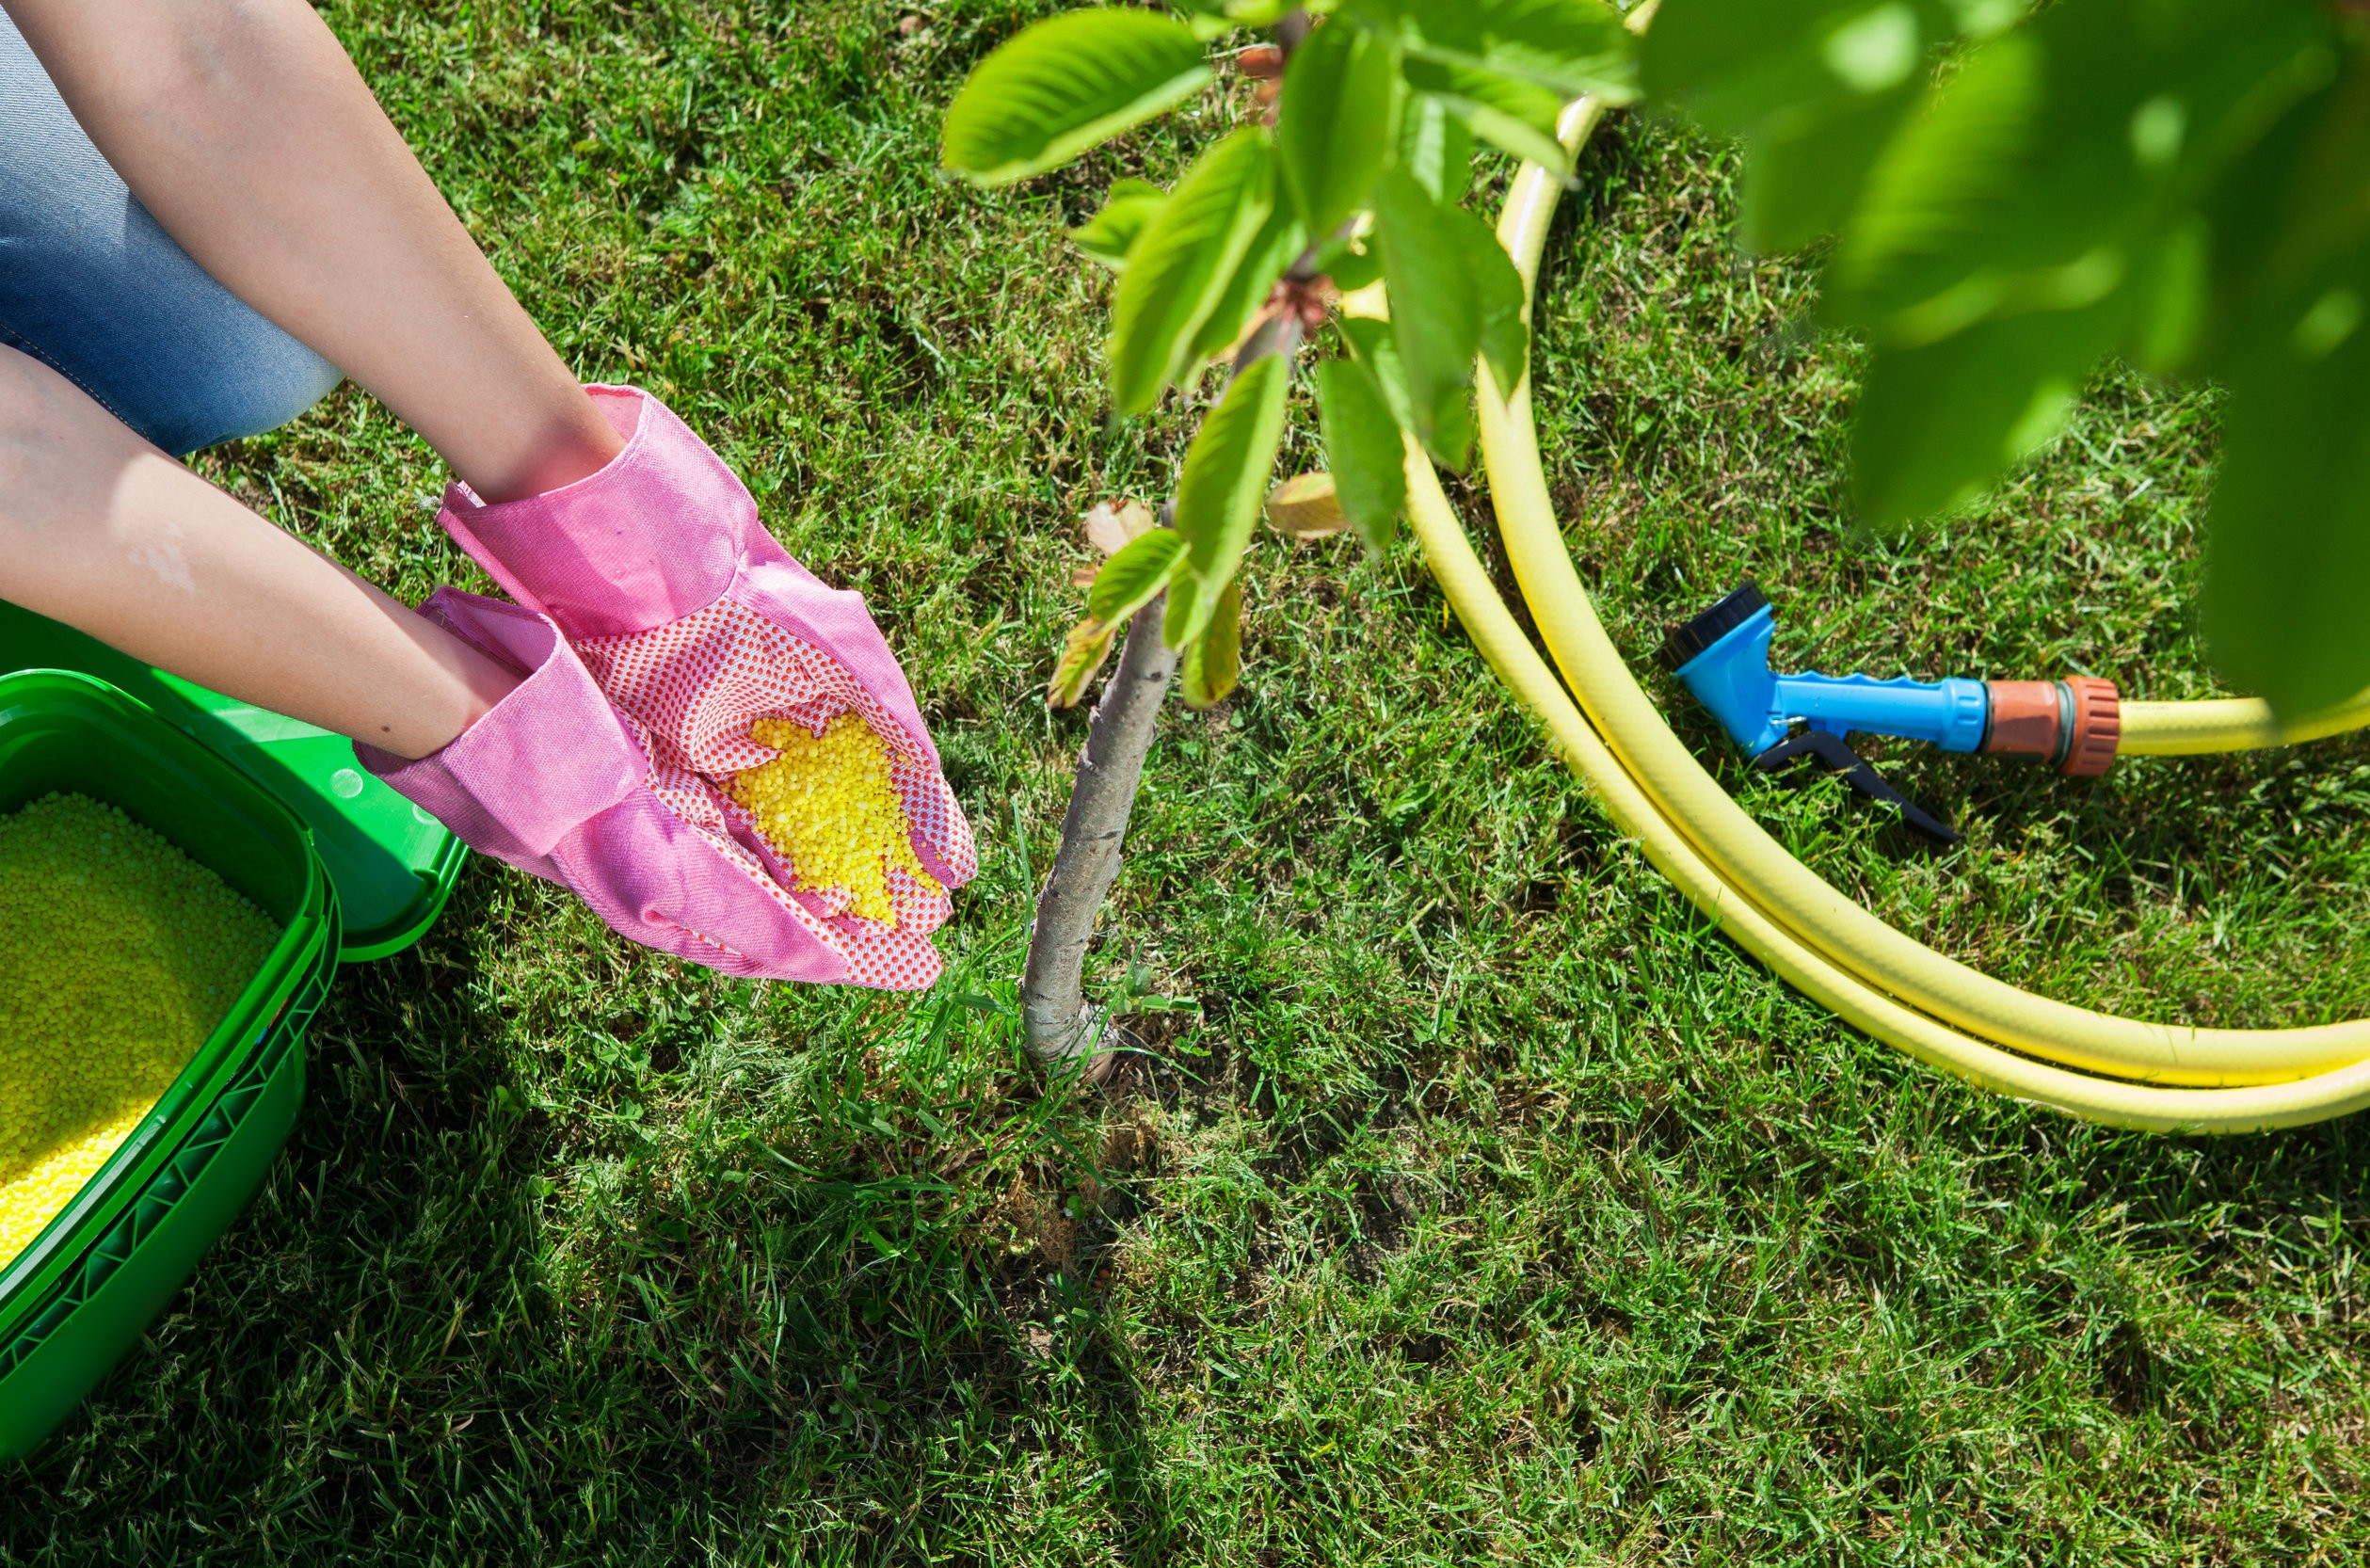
x=512 y=1296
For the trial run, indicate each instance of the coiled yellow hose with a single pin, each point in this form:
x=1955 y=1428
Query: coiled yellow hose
x=2122 y=1071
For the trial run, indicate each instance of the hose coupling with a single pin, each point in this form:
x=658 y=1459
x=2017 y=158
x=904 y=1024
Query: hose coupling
x=2075 y=723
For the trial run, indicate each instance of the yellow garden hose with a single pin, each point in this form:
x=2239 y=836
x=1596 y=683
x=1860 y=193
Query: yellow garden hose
x=2227 y=724
x=2111 y=1069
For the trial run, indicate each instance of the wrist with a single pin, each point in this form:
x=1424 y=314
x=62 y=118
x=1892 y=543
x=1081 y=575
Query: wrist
x=574 y=444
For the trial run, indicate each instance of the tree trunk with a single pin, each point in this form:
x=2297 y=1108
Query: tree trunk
x=1056 y=1021
x=1059 y=1025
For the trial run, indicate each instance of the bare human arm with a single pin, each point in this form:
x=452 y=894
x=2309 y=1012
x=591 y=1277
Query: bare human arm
x=241 y=125
x=244 y=128
x=101 y=530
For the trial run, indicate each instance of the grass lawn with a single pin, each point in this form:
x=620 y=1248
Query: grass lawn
x=1479 y=1205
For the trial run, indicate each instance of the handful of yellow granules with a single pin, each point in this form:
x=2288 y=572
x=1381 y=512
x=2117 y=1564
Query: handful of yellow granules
x=827 y=803
x=118 y=954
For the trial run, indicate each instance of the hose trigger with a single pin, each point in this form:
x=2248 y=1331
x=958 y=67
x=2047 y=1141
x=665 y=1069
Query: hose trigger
x=1839 y=757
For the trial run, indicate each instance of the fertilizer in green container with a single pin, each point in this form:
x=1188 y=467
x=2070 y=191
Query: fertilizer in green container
x=118 y=955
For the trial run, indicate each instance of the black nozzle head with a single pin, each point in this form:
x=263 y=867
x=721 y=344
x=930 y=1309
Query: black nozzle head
x=1686 y=642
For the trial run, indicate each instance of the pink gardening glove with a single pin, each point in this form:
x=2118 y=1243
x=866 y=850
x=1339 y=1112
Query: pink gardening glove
x=558 y=782
x=695 y=624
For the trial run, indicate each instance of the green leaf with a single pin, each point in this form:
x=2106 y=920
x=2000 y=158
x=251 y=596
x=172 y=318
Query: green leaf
x=1135 y=572
x=2287 y=560
x=1735 y=64
x=1218 y=492
x=1937 y=424
x=1179 y=268
x=1278 y=244
x=1804 y=172
x=1082 y=653
x=2053 y=162
x=1349 y=267
x=1364 y=451
x=1376 y=346
x=1111 y=234
x=1959 y=154
x=1511 y=115
x=1435 y=312
x=1177 y=622
x=1214 y=660
x=1570 y=46
x=1497 y=295
x=1335 y=121
x=1435 y=148
x=1064 y=84
x=1816 y=88
x=1213 y=19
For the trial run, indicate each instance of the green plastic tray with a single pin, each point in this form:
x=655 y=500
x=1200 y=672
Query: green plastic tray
x=392 y=863
x=74 y=1301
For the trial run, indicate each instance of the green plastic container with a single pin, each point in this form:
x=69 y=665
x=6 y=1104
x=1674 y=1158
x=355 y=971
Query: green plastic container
x=74 y=1301
x=279 y=810
x=392 y=863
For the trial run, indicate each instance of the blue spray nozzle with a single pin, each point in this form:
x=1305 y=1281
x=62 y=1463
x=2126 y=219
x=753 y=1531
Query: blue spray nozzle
x=1722 y=656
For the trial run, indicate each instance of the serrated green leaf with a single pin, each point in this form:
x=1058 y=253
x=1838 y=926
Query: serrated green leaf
x=1335 y=121
x=1510 y=114
x=1082 y=653
x=1938 y=423
x=1377 y=350
x=1364 y=451
x=1497 y=295
x=1136 y=571
x=1063 y=84
x=1570 y=46
x=1435 y=148
x=1435 y=311
x=1179 y=268
x=1225 y=475
x=1278 y=244
x=1111 y=234
x=1214 y=660
x=1177 y=620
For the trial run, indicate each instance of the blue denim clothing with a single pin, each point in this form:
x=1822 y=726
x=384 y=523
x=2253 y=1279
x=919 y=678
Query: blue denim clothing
x=91 y=286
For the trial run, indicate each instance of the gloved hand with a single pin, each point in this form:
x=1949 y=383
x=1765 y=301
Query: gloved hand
x=698 y=625
x=557 y=782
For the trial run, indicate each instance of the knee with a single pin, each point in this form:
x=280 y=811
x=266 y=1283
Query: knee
x=257 y=386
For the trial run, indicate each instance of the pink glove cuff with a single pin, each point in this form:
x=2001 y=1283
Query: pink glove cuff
x=654 y=535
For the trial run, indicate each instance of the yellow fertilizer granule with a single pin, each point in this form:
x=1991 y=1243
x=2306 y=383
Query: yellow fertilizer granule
x=118 y=954
x=828 y=804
